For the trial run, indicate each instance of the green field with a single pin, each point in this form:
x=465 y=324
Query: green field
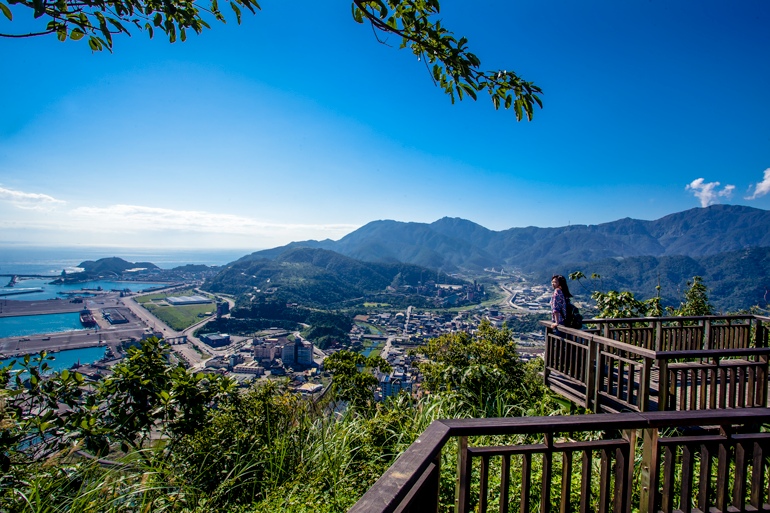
x=163 y=295
x=179 y=317
x=375 y=329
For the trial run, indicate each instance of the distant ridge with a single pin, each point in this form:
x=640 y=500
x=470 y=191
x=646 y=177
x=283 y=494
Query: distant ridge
x=452 y=243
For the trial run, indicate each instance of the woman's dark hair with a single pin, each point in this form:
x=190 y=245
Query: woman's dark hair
x=562 y=284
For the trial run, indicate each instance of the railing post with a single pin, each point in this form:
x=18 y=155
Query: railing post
x=598 y=377
x=707 y=334
x=658 y=335
x=630 y=435
x=606 y=330
x=644 y=385
x=547 y=356
x=463 y=485
x=663 y=385
x=759 y=341
x=647 y=484
x=593 y=365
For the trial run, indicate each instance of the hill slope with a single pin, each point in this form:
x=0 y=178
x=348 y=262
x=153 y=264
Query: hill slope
x=317 y=276
x=736 y=279
x=451 y=243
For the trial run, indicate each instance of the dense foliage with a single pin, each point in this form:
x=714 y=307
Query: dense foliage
x=180 y=441
x=251 y=317
x=317 y=277
x=737 y=280
x=482 y=371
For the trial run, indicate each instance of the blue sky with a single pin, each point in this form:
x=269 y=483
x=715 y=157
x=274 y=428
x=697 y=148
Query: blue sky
x=297 y=124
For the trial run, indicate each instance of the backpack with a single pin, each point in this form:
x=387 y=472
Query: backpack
x=574 y=319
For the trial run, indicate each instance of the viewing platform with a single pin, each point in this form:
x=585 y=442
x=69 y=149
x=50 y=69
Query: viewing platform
x=684 y=401
x=660 y=364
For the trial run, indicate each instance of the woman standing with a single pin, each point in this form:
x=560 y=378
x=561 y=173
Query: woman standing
x=559 y=301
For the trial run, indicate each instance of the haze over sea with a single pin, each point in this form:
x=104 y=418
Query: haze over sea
x=51 y=260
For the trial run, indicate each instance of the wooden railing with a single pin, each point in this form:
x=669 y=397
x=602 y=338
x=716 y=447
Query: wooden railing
x=710 y=460
x=685 y=363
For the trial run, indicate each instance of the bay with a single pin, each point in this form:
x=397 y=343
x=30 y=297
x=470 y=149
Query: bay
x=52 y=291
x=39 y=324
x=65 y=359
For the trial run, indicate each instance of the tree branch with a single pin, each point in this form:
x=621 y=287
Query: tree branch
x=28 y=35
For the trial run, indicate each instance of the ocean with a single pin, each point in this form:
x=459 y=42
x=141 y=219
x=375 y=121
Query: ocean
x=22 y=259
x=50 y=261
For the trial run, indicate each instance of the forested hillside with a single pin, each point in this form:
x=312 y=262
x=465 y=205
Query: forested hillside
x=452 y=243
x=737 y=279
x=317 y=276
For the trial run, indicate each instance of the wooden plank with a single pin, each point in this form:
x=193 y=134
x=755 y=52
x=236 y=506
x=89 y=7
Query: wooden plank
x=483 y=484
x=604 y=482
x=723 y=469
x=685 y=495
x=462 y=479
x=742 y=379
x=669 y=464
x=739 y=485
x=694 y=388
x=733 y=382
x=512 y=450
x=505 y=483
x=526 y=482
x=545 y=489
x=704 y=481
x=648 y=485
x=621 y=484
x=585 y=482
x=590 y=381
x=722 y=388
x=757 y=475
x=394 y=485
x=681 y=378
x=424 y=494
x=663 y=387
x=644 y=385
x=566 y=482
x=710 y=353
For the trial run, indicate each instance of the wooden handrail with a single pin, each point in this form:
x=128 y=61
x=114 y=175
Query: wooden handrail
x=605 y=341
x=674 y=319
x=711 y=353
x=398 y=482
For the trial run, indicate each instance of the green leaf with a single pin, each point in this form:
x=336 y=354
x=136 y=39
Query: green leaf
x=357 y=14
x=6 y=11
x=65 y=375
x=76 y=34
x=237 y=11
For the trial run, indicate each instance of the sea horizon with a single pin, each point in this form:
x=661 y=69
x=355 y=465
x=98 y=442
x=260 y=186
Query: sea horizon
x=17 y=258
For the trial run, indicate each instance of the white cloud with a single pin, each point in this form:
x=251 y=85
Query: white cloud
x=29 y=200
x=136 y=218
x=762 y=188
x=707 y=193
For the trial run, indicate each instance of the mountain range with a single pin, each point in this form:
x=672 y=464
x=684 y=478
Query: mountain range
x=317 y=276
x=453 y=243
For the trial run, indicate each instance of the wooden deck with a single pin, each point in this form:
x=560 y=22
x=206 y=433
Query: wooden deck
x=651 y=365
